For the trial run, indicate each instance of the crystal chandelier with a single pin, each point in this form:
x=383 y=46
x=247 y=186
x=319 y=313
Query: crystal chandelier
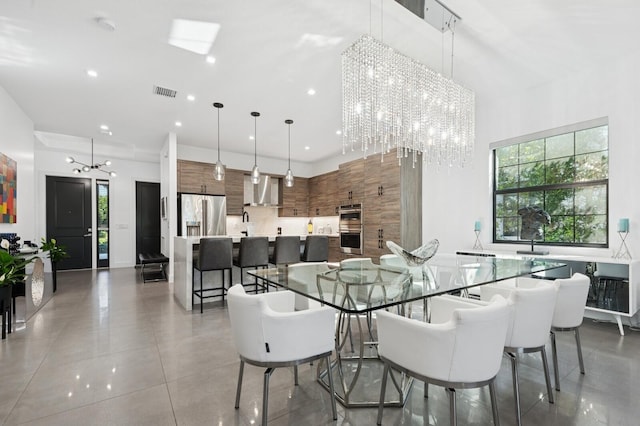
x=93 y=166
x=390 y=100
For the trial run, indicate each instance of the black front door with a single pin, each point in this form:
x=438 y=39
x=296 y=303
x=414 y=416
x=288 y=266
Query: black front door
x=69 y=219
x=147 y=218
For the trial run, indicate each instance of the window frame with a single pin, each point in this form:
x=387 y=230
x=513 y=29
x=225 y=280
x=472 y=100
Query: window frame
x=550 y=187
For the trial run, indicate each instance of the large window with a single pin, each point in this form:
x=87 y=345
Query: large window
x=566 y=174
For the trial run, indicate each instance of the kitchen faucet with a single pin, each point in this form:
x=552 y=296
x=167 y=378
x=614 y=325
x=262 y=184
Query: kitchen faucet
x=245 y=213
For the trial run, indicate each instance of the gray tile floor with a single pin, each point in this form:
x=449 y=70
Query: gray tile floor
x=110 y=350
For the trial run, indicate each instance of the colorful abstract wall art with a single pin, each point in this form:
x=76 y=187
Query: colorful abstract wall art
x=8 y=183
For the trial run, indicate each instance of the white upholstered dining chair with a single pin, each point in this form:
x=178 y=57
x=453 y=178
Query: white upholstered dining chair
x=532 y=303
x=267 y=332
x=463 y=351
x=568 y=314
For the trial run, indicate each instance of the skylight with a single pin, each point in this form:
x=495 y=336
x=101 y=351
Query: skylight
x=194 y=36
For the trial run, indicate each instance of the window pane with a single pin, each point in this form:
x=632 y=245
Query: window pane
x=560 y=170
x=506 y=205
x=531 y=174
x=532 y=151
x=591 y=229
x=560 y=230
x=103 y=206
x=535 y=198
x=593 y=166
x=507 y=156
x=591 y=200
x=103 y=245
x=559 y=202
x=507 y=228
x=507 y=177
x=590 y=140
x=559 y=146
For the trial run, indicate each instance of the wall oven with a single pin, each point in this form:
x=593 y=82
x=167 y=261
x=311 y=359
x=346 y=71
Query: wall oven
x=350 y=225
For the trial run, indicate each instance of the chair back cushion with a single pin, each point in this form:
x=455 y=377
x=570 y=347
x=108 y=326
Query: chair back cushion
x=287 y=250
x=265 y=329
x=571 y=300
x=467 y=348
x=303 y=277
x=531 y=312
x=215 y=253
x=316 y=248
x=254 y=251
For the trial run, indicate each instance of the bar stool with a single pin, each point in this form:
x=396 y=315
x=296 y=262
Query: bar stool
x=253 y=253
x=214 y=254
x=286 y=251
x=316 y=249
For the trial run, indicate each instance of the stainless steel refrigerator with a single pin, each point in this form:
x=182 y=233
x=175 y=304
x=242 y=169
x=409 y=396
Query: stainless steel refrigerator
x=202 y=215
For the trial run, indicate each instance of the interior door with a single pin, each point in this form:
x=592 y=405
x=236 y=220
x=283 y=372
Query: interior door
x=147 y=218
x=69 y=219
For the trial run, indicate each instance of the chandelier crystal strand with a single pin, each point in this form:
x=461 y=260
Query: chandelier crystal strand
x=390 y=100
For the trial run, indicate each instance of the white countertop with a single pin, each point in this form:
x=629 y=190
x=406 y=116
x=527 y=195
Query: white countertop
x=236 y=238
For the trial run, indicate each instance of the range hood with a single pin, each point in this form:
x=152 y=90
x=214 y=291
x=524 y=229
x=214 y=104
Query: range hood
x=263 y=194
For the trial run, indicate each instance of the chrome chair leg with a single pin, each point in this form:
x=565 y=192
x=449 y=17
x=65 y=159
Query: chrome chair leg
x=494 y=403
x=452 y=406
x=383 y=388
x=516 y=390
x=554 y=355
x=547 y=377
x=333 y=394
x=239 y=384
x=579 y=346
x=265 y=395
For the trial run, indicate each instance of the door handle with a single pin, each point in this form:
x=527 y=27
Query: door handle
x=87 y=235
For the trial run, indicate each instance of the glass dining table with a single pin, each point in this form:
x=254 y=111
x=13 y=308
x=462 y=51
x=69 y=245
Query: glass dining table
x=356 y=292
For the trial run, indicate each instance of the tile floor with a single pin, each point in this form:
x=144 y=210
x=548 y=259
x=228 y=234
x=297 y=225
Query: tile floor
x=110 y=350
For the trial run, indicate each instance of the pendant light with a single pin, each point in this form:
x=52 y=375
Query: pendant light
x=255 y=172
x=218 y=171
x=288 y=178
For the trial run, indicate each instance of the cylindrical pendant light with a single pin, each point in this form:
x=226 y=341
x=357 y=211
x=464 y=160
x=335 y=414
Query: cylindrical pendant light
x=255 y=172
x=218 y=171
x=288 y=178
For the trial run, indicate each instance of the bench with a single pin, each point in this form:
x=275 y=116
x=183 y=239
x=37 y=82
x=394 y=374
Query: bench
x=157 y=262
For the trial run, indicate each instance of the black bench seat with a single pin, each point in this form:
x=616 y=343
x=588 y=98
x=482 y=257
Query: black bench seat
x=157 y=263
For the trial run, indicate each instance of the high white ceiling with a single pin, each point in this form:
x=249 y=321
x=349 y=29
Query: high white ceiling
x=268 y=54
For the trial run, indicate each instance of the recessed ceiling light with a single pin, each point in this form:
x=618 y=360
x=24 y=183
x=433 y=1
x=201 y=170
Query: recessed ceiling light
x=194 y=36
x=338 y=132
x=251 y=137
x=92 y=73
x=191 y=98
x=104 y=127
x=311 y=92
x=307 y=148
x=178 y=123
x=211 y=59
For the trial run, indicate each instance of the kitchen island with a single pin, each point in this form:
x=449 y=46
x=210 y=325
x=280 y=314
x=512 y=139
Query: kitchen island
x=184 y=248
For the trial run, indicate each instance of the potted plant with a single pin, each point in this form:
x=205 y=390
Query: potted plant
x=12 y=270
x=56 y=254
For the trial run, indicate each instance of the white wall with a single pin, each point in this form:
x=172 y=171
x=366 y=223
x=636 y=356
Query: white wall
x=168 y=189
x=454 y=199
x=122 y=198
x=16 y=142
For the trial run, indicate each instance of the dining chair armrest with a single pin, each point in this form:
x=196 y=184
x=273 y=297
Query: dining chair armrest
x=299 y=335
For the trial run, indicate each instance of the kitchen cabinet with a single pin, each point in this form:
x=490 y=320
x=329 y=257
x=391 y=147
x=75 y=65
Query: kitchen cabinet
x=335 y=255
x=391 y=209
x=294 y=200
x=196 y=177
x=351 y=182
x=234 y=190
x=323 y=194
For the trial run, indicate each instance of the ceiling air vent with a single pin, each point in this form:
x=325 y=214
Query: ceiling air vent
x=163 y=91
